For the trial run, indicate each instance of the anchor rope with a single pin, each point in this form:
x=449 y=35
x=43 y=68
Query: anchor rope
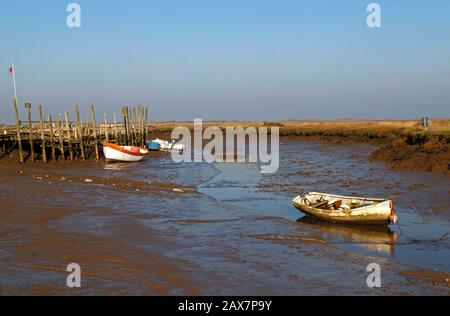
x=418 y=241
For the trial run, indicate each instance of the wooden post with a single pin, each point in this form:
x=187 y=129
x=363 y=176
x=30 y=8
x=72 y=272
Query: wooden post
x=130 y=135
x=136 y=138
x=75 y=130
x=115 y=130
x=132 y=120
x=142 y=127
x=79 y=127
x=52 y=138
x=95 y=133
x=87 y=130
x=18 y=123
x=125 y=124
x=138 y=133
x=61 y=137
x=133 y=115
x=44 y=152
x=123 y=137
x=81 y=123
x=30 y=128
x=69 y=134
x=129 y=126
x=139 y=124
x=106 y=127
x=146 y=122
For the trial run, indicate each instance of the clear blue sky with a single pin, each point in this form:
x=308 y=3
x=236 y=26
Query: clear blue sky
x=230 y=59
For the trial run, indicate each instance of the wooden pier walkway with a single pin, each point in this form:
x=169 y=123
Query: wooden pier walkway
x=67 y=137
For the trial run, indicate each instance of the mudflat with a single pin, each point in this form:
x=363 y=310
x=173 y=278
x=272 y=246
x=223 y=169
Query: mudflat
x=401 y=144
x=161 y=228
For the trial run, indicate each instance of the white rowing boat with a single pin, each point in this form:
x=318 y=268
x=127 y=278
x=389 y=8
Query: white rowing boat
x=169 y=146
x=347 y=209
x=124 y=153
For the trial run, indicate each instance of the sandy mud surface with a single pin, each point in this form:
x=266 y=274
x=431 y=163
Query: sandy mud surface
x=159 y=228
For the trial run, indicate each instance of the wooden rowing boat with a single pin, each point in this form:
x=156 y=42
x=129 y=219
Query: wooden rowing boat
x=347 y=209
x=124 y=153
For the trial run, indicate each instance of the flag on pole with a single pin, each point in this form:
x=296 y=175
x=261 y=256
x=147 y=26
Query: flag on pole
x=12 y=72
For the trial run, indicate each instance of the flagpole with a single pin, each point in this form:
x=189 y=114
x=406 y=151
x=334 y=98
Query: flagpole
x=16 y=112
x=14 y=80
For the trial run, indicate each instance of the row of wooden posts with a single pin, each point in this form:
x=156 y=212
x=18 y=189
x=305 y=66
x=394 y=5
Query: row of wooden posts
x=60 y=138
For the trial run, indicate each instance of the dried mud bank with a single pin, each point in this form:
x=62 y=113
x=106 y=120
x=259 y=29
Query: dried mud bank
x=400 y=149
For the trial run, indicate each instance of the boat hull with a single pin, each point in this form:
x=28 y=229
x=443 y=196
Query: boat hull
x=376 y=211
x=123 y=153
x=169 y=146
x=153 y=146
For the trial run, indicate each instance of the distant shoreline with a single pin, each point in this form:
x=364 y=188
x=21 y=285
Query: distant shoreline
x=402 y=144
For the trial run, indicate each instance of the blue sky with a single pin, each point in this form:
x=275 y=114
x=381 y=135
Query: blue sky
x=230 y=59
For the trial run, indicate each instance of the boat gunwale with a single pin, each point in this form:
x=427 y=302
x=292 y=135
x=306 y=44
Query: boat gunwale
x=345 y=197
x=325 y=212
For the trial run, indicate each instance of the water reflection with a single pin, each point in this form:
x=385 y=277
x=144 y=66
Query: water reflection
x=117 y=166
x=380 y=239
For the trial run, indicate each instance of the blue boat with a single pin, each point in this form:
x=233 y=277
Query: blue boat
x=153 y=146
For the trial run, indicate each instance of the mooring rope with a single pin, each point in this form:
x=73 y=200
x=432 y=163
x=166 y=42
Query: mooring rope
x=422 y=241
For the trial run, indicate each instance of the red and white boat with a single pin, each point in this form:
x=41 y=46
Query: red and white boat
x=124 y=153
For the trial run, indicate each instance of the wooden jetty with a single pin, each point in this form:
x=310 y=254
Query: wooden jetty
x=67 y=137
